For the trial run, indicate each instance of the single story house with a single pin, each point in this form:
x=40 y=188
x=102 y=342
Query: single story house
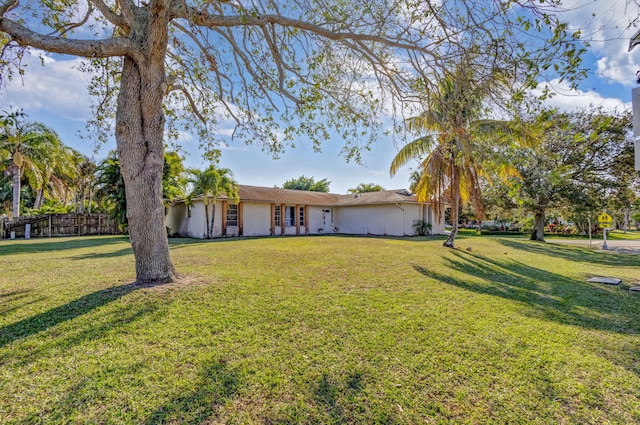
x=264 y=211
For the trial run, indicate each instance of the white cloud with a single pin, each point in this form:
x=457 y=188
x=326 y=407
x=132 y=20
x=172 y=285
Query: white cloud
x=570 y=100
x=605 y=25
x=57 y=88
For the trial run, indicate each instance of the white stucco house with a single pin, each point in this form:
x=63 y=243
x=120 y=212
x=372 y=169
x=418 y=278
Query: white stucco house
x=264 y=211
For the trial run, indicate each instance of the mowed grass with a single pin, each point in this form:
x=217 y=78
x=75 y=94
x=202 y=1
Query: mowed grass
x=319 y=330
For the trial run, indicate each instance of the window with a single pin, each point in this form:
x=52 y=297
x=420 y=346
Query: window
x=276 y=215
x=302 y=216
x=289 y=216
x=232 y=215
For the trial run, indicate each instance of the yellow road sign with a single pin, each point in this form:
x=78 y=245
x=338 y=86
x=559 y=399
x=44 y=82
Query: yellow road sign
x=605 y=218
x=604 y=225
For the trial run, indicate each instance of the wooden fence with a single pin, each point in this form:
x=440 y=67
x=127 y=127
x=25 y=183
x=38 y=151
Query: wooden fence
x=58 y=225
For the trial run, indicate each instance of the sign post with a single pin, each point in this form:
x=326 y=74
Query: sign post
x=604 y=222
x=635 y=105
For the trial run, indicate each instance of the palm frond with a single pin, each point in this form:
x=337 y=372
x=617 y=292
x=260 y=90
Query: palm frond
x=416 y=149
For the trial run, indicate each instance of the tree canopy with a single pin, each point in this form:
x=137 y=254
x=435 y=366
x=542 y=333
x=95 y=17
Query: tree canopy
x=581 y=165
x=307 y=183
x=366 y=187
x=33 y=152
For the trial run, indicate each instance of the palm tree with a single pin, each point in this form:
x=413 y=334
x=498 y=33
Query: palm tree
x=110 y=189
x=210 y=184
x=449 y=152
x=84 y=182
x=366 y=187
x=173 y=177
x=59 y=173
x=28 y=148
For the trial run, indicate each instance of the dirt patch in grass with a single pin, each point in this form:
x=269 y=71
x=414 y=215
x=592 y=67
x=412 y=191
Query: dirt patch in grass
x=181 y=283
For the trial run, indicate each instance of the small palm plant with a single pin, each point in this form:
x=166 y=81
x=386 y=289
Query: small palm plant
x=422 y=227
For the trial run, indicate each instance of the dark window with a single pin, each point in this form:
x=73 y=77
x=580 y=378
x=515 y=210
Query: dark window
x=232 y=215
x=276 y=215
x=289 y=216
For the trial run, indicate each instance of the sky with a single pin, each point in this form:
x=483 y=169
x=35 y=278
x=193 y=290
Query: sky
x=56 y=95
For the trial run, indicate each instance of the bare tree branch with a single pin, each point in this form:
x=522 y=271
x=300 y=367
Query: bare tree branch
x=123 y=22
x=212 y=21
x=7 y=6
x=65 y=28
x=86 y=48
x=192 y=103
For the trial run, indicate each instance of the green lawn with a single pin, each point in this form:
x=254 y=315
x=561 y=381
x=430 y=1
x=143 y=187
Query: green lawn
x=319 y=330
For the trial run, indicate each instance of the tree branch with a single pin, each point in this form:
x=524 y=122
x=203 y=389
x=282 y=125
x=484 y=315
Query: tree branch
x=200 y=17
x=85 y=48
x=117 y=20
x=192 y=103
x=65 y=28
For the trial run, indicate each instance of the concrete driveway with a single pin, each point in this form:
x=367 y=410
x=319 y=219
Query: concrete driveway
x=622 y=247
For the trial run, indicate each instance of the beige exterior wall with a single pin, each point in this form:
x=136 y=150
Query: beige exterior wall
x=390 y=220
x=256 y=219
x=175 y=219
x=190 y=221
x=316 y=220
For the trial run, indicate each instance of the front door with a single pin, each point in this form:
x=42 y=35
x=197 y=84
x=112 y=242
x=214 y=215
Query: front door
x=327 y=221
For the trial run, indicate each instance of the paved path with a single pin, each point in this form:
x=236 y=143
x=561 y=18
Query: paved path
x=623 y=247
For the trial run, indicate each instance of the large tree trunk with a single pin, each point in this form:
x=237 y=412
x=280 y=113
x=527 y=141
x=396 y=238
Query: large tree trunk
x=538 y=224
x=139 y=136
x=455 y=207
x=16 y=191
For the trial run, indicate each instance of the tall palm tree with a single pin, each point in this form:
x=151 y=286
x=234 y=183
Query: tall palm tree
x=210 y=184
x=449 y=152
x=59 y=172
x=110 y=189
x=27 y=148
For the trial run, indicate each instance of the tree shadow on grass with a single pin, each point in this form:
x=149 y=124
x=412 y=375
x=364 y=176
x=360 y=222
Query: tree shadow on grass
x=111 y=254
x=54 y=244
x=43 y=321
x=215 y=385
x=336 y=398
x=546 y=295
x=551 y=297
x=572 y=253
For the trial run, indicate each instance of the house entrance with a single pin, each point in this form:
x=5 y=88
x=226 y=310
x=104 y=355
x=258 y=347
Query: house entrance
x=327 y=220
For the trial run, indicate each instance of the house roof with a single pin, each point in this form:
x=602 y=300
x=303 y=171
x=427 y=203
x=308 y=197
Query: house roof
x=376 y=198
x=303 y=197
x=284 y=196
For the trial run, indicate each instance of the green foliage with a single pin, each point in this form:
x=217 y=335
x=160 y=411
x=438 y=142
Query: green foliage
x=422 y=227
x=173 y=177
x=110 y=190
x=307 y=183
x=581 y=164
x=52 y=208
x=366 y=187
x=34 y=154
